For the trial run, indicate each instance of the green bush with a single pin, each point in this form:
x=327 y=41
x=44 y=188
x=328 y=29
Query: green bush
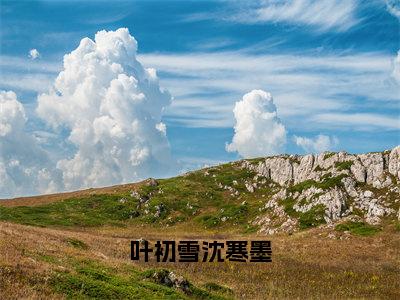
x=312 y=218
x=344 y=165
x=318 y=169
x=304 y=185
x=358 y=228
x=329 y=154
x=327 y=182
x=288 y=207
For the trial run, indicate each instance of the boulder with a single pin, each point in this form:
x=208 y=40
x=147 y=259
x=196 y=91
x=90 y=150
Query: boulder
x=304 y=169
x=151 y=182
x=358 y=171
x=374 y=165
x=394 y=162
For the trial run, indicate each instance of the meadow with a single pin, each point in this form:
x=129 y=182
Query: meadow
x=77 y=245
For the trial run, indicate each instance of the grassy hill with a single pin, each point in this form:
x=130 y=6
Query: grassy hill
x=76 y=245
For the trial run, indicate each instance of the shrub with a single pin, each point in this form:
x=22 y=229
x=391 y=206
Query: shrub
x=358 y=228
x=288 y=207
x=326 y=183
x=329 y=182
x=304 y=185
x=312 y=218
x=318 y=169
x=344 y=165
x=329 y=154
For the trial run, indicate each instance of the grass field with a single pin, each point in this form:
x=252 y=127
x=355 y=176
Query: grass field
x=77 y=245
x=94 y=262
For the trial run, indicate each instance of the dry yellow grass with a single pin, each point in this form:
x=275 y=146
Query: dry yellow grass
x=305 y=265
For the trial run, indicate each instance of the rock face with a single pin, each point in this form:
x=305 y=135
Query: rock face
x=365 y=186
x=394 y=162
x=370 y=168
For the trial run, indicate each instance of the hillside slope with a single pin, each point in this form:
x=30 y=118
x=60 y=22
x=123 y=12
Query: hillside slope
x=333 y=220
x=268 y=195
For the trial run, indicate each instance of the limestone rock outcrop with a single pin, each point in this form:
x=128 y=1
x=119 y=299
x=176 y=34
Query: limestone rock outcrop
x=359 y=185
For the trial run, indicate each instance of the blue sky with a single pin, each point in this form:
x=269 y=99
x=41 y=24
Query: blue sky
x=328 y=64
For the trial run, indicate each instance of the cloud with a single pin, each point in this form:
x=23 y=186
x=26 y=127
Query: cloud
x=212 y=44
x=15 y=63
x=359 y=121
x=258 y=130
x=396 y=68
x=24 y=167
x=112 y=108
x=24 y=74
x=319 y=144
x=12 y=114
x=36 y=82
x=322 y=15
x=34 y=54
x=393 y=6
x=303 y=85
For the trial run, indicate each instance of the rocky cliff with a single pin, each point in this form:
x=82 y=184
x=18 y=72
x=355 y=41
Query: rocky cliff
x=337 y=186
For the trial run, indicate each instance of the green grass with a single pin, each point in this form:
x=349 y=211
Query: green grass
x=251 y=228
x=227 y=214
x=46 y=258
x=195 y=198
x=184 y=198
x=312 y=218
x=330 y=182
x=91 y=280
x=256 y=161
x=288 y=207
x=327 y=183
x=358 y=228
x=158 y=276
x=397 y=226
x=209 y=221
x=329 y=154
x=90 y=211
x=213 y=287
x=77 y=244
x=304 y=185
x=344 y=165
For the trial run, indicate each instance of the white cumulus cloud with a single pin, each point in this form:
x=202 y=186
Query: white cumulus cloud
x=24 y=167
x=34 y=54
x=318 y=144
x=112 y=108
x=258 y=130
